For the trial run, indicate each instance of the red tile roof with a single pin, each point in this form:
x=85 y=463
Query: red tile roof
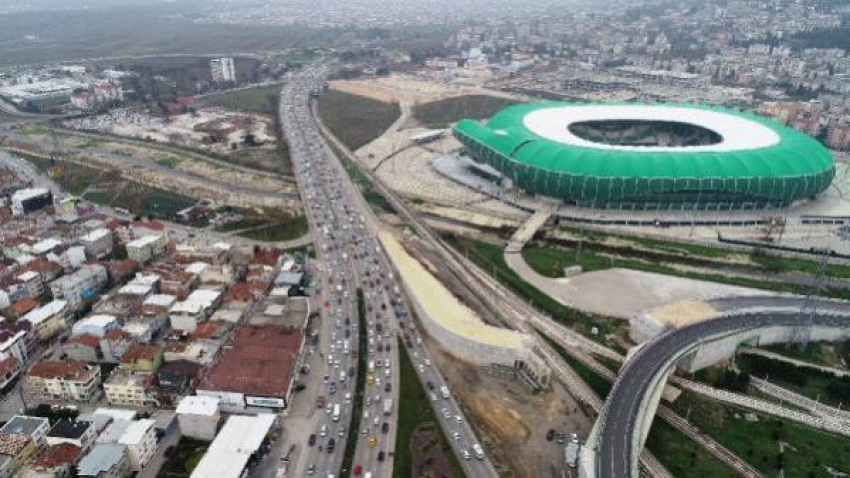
x=9 y=365
x=268 y=257
x=57 y=455
x=85 y=339
x=114 y=334
x=152 y=225
x=140 y=352
x=23 y=306
x=260 y=362
x=66 y=370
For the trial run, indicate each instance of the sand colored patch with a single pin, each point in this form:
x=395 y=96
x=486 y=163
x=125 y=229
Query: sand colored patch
x=685 y=312
x=504 y=421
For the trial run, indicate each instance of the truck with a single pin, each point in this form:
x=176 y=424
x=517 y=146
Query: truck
x=572 y=454
x=335 y=414
x=371 y=366
x=388 y=406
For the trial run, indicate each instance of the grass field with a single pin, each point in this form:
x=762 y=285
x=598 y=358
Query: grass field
x=807 y=451
x=491 y=259
x=550 y=261
x=356 y=120
x=281 y=230
x=414 y=412
x=441 y=113
x=261 y=100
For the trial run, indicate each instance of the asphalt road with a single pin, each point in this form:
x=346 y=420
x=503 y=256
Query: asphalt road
x=345 y=233
x=617 y=455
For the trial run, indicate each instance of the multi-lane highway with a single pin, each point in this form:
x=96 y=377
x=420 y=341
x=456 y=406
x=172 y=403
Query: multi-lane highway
x=345 y=233
x=618 y=442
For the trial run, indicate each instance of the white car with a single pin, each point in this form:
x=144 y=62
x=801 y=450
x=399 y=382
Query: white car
x=458 y=419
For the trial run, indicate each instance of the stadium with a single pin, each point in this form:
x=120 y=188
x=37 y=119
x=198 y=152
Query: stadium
x=649 y=157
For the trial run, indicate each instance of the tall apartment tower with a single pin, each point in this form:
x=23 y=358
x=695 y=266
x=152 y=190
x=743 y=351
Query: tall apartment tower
x=223 y=70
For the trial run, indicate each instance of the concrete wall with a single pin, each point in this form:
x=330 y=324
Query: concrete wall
x=713 y=352
x=468 y=349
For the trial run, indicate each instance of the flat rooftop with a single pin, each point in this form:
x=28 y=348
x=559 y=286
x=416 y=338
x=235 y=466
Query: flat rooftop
x=260 y=362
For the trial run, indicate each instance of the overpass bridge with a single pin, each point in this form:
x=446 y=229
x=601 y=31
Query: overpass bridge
x=615 y=443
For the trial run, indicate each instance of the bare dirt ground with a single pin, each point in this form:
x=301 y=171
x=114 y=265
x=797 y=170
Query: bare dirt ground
x=508 y=419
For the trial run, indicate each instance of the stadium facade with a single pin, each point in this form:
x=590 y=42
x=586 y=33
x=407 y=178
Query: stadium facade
x=650 y=157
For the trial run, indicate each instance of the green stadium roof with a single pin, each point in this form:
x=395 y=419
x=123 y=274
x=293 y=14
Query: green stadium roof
x=756 y=148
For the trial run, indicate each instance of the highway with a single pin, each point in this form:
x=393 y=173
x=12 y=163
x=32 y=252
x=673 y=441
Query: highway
x=345 y=233
x=617 y=446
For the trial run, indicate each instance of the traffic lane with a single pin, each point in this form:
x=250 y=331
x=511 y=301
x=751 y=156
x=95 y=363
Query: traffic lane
x=626 y=399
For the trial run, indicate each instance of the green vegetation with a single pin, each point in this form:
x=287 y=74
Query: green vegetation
x=261 y=100
x=591 y=255
x=359 y=389
x=817 y=353
x=443 y=112
x=108 y=188
x=491 y=259
x=809 y=381
x=53 y=415
x=355 y=120
x=286 y=230
x=181 y=460
x=681 y=455
x=596 y=382
x=414 y=412
x=169 y=162
x=806 y=451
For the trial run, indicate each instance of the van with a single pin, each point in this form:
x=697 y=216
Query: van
x=342 y=376
x=335 y=415
x=479 y=452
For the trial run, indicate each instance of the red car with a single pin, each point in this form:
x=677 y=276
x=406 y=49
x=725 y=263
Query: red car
x=357 y=470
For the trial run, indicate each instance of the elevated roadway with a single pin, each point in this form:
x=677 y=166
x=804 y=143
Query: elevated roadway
x=620 y=431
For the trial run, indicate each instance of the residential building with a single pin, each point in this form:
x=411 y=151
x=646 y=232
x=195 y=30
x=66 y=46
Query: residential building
x=115 y=344
x=25 y=201
x=81 y=433
x=33 y=284
x=72 y=381
x=98 y=243
x=105 y=460
x=83 y=348
x=56 y=462
x=81 y=285
x=177 y=379
x=145 y=248
x=238 y=440
x=36 y=428
x=10 y=370
x=14 y=343
x=96 y=325
x=200 y=304
x=19 y=448
x=128 y=389
x=142 y=358
x=48 y=320
x=144 y=228
x=198 y=417
x=223 y=70
x=139 y=436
